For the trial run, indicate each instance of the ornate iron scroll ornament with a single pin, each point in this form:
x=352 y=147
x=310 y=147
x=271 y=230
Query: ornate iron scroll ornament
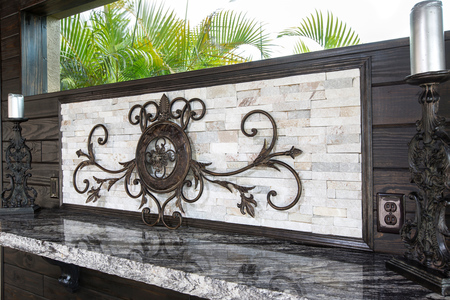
x=429 y=161
x=19 y=195
x=164 y=161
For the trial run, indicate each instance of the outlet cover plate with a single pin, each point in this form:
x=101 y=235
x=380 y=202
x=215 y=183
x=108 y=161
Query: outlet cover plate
x=54 y=187
x=391 y=212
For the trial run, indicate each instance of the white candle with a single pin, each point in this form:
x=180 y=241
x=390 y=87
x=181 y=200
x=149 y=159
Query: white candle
x=427 y=47
x=15 y=106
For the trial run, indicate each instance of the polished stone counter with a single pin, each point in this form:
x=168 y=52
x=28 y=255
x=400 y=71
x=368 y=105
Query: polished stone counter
x=206 y=263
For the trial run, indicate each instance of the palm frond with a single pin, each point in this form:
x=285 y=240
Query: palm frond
x=333 y=35
x=132 y=39
x=229 y=30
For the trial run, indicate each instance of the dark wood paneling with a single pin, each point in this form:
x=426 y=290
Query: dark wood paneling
x=61 y=9
x=54 y=291
x=126 y=289
x=50 y=7
x=1 y=149
x=24 y=279
x=389 y=243
x=50 y=151
x=42 y=109
x=10 y=26
x=36 y=151
x=14 y=293
x=35 y=129
x=9 y=86
x=10 y=46
x=395 y=104
x=11 y=70
x=391 y=65
x=393 y=181
x=390 y=146
x=9 y=7
x=43 y=197
x=398 y=104
x=29 y=3
x=30 y=262
x=36 y=109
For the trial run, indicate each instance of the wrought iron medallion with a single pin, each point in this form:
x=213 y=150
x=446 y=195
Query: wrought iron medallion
x=164 y=163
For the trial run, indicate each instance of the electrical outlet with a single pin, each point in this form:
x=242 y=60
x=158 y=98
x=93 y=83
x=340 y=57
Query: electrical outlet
x=391 y=212
x=54 y=187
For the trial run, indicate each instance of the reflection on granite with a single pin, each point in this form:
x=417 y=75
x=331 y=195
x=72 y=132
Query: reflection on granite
x=206 y=263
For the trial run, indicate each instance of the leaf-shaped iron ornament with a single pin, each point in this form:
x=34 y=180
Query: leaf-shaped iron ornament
x=164 y=163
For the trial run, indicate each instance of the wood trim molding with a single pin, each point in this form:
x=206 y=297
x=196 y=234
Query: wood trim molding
x=367 y=157
x=273 y=68
x=283 y=234
x=60 y=8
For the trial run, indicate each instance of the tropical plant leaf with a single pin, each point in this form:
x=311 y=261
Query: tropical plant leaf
x=129 y=40
x=332 y=35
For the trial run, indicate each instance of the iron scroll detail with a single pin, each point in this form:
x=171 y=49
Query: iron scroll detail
x=164 y=164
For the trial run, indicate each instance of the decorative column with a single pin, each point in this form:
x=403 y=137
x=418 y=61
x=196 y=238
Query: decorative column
x=427 y=259
x=18 y=198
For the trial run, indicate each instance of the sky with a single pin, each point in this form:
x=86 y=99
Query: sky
x=373 y=20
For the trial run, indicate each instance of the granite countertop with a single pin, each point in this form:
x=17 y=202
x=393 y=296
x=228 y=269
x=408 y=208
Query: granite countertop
x=206 y=263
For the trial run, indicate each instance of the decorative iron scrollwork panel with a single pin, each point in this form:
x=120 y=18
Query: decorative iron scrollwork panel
x=164 y=162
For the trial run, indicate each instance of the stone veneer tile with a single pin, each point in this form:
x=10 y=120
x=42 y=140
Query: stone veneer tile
x=221 y=91
x=318 y=113
x=342 y=74
x=340 y=101
x=339 y=83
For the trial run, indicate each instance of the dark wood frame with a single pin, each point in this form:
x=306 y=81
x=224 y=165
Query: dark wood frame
x=270 y=69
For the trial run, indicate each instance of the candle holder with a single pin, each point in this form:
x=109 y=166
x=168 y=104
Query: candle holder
x=427 y=259
x=18 y=198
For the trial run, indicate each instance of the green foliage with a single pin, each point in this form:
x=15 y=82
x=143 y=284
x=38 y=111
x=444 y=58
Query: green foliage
x=329 y=34
x=137 y=39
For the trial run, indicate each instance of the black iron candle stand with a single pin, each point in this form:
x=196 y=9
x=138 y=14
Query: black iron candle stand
x=18 y=198
x=427 y=259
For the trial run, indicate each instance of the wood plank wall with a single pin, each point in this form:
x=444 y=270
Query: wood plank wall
x=31 y=277
x=395 y=111
x=394 y=104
